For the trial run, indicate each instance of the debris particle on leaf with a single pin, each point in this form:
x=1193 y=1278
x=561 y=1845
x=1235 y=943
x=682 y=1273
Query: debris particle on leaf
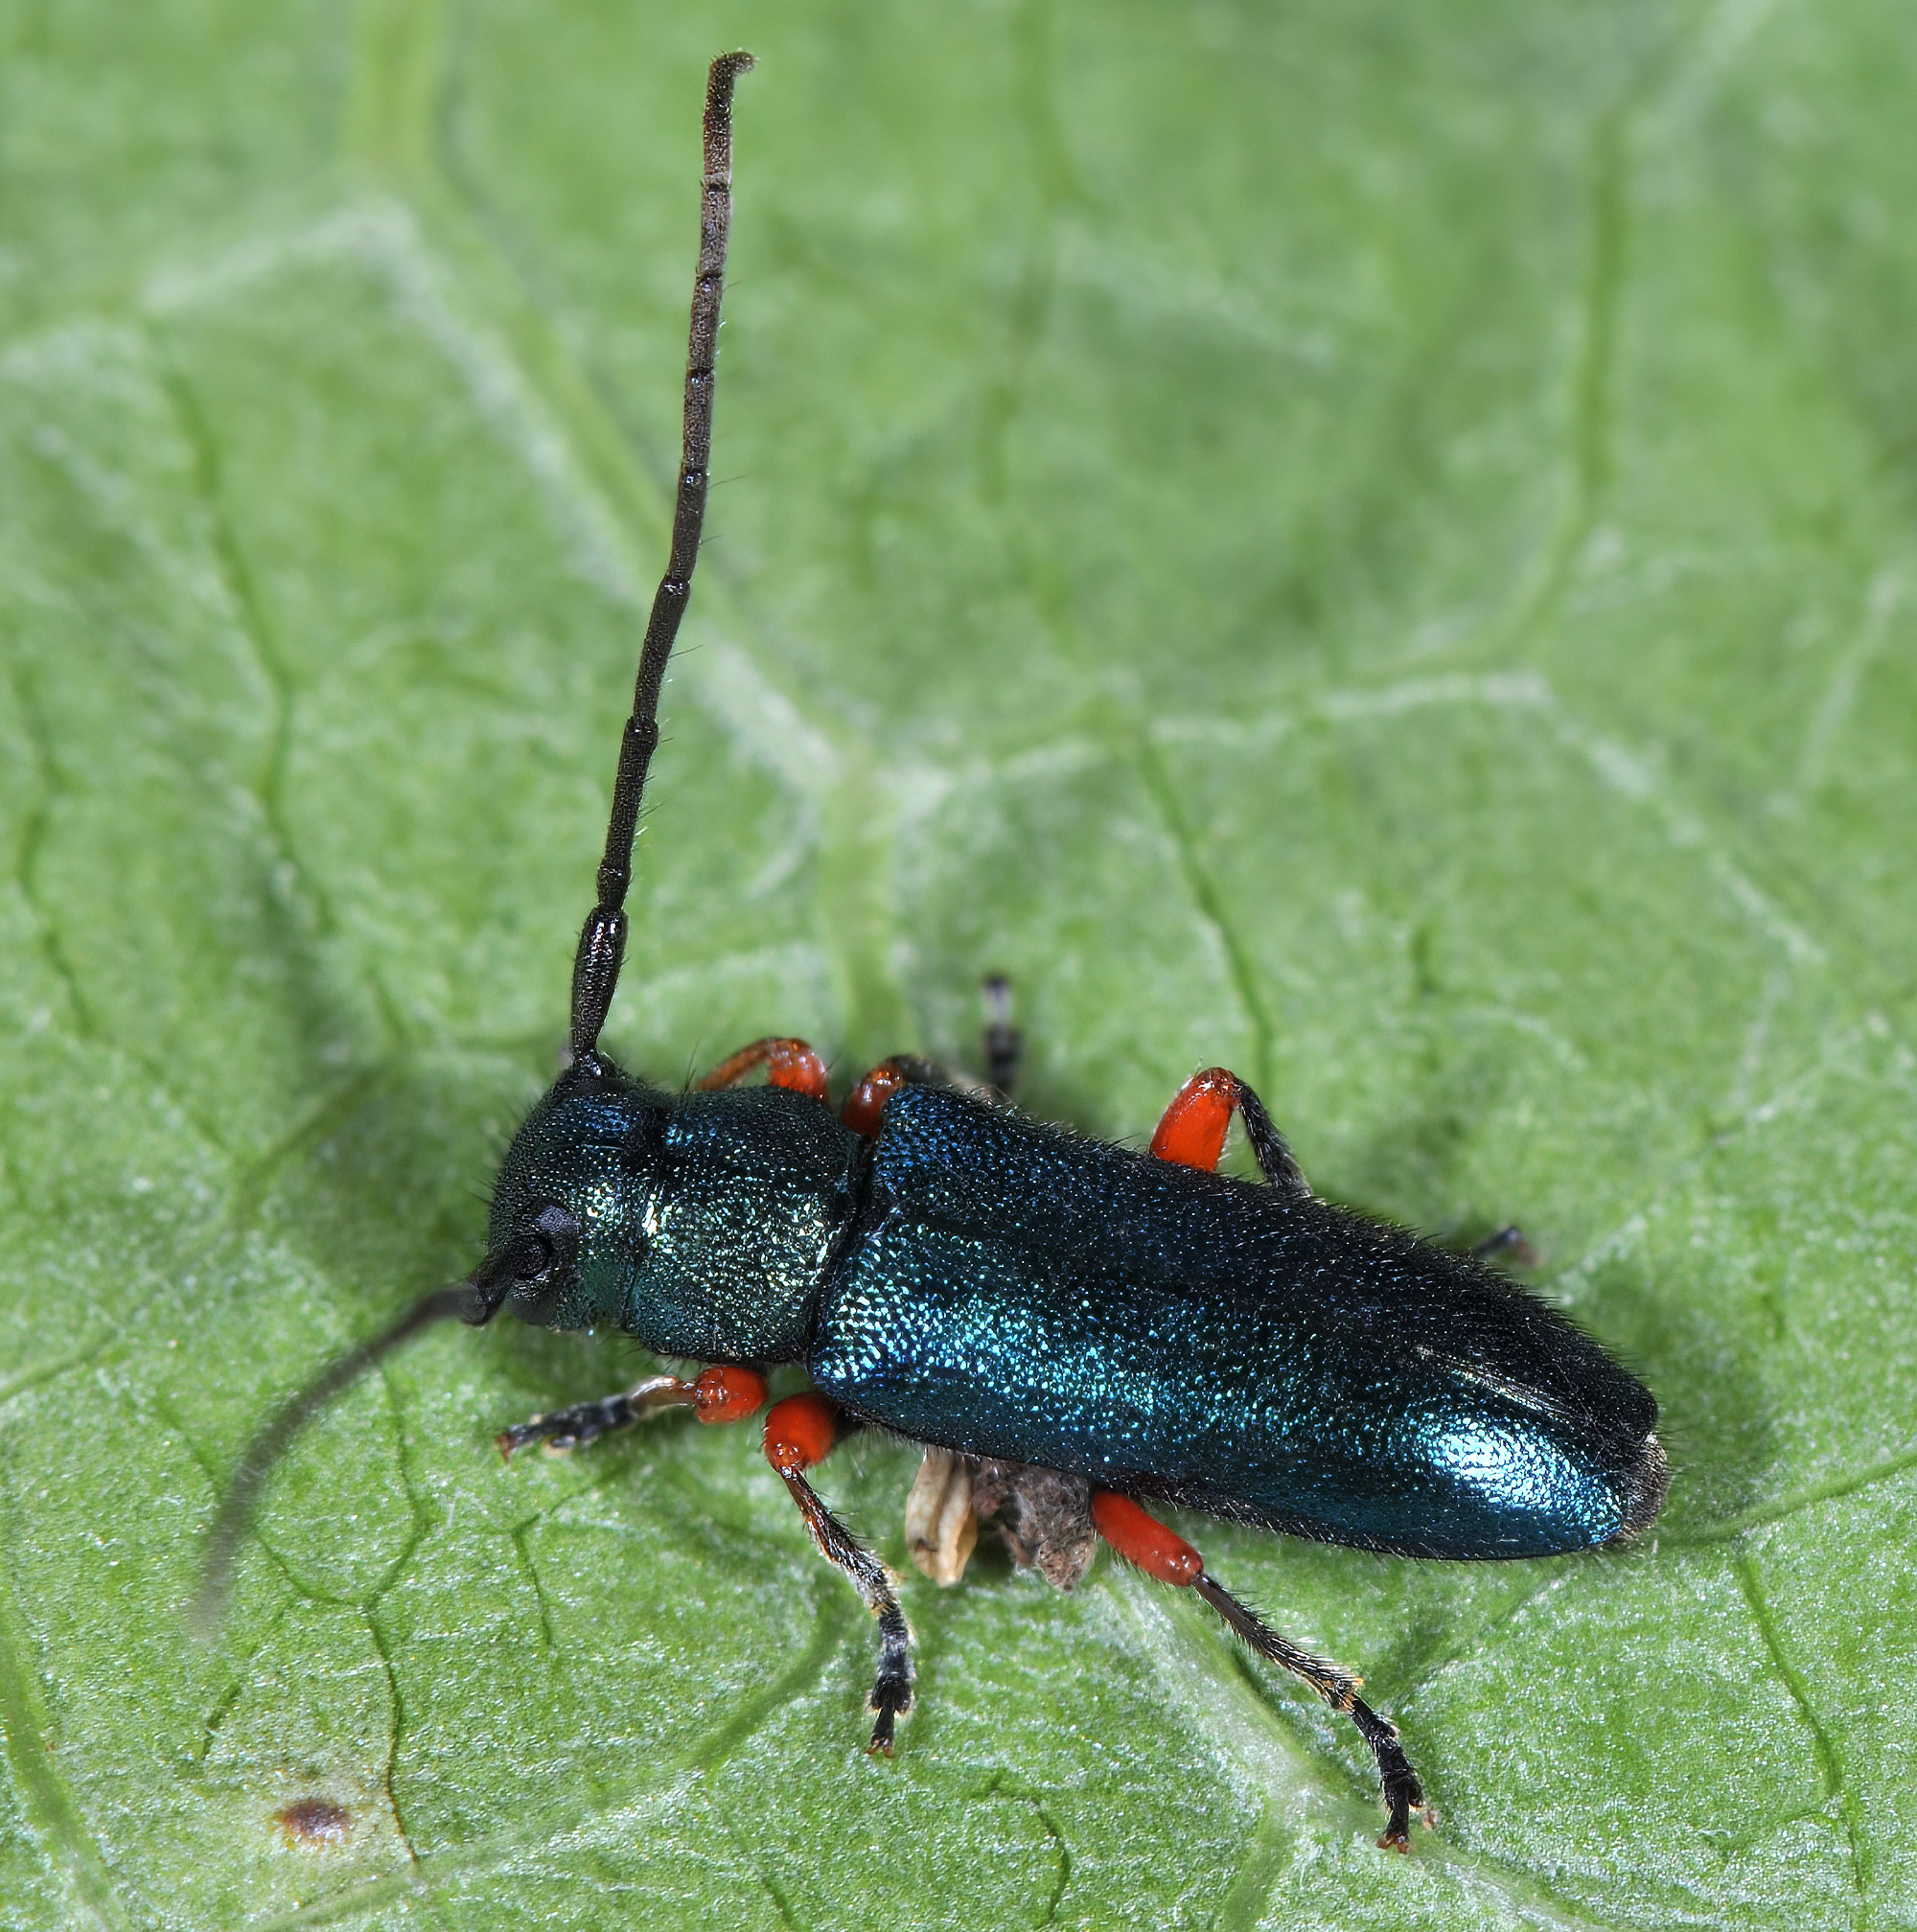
x=320 y=1822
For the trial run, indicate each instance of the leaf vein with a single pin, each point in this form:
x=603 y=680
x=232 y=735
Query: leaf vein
x=1823 y=1746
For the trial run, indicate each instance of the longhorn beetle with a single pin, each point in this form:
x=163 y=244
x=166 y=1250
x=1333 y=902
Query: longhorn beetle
x=1071 y=1329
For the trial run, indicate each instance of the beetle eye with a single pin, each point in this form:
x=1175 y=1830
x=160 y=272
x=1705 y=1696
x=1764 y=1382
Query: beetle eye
x=541 y=1260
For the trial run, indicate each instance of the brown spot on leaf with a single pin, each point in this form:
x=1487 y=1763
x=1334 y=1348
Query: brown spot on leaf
x=317 y=1822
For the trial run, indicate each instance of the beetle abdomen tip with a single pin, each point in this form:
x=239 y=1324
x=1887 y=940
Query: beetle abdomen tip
x=1644 y=1491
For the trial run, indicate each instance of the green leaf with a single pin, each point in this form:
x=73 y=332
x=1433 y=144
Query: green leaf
x=1371 y=544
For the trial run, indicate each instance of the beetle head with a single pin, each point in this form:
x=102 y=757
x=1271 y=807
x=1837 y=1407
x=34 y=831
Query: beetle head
x=576 y=1199
x=699 y=1223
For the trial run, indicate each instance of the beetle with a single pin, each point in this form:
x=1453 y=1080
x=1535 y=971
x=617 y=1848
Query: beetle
x=1073 y=1331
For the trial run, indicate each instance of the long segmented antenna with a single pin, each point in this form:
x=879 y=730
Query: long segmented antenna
x=474 y=1300
x=602 y=943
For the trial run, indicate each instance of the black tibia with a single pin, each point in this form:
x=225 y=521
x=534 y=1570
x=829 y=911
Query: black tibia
x=1002 y=1038
x=1268 y=1146
x=891 y=1690
x=1337 y=1686
x=602 y=943
x=1507 y=1244
x=1402 y=1792
x=587 y=1421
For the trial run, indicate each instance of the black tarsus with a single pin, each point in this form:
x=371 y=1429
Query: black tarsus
x=891 y=1689
x=1507 y=1244
x=1002 y=1045
x=583 y=1422
x=475 y=1300
x=602 y=941
x=1403 y=1794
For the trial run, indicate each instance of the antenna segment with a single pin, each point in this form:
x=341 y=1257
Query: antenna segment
x=602 y=942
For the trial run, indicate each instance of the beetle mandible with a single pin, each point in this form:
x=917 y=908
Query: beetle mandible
x=1071 y=1329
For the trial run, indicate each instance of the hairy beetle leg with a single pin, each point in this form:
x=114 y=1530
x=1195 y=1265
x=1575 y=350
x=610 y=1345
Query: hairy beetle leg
x=722 y=1393
x=788 y=1062
x=1004 y=1044
x=867 y=1102
x=1403 y=1793
x=801 y=1432
x=583 y=1422
x=1160 y=1551
x=1507 y=1244
x=1192 y=1131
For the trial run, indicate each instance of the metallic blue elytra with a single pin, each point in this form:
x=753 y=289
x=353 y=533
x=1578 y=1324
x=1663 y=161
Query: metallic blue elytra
x=981 y=1281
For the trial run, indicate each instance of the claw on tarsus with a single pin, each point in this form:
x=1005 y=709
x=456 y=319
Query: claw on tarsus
x=1398 y=1783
